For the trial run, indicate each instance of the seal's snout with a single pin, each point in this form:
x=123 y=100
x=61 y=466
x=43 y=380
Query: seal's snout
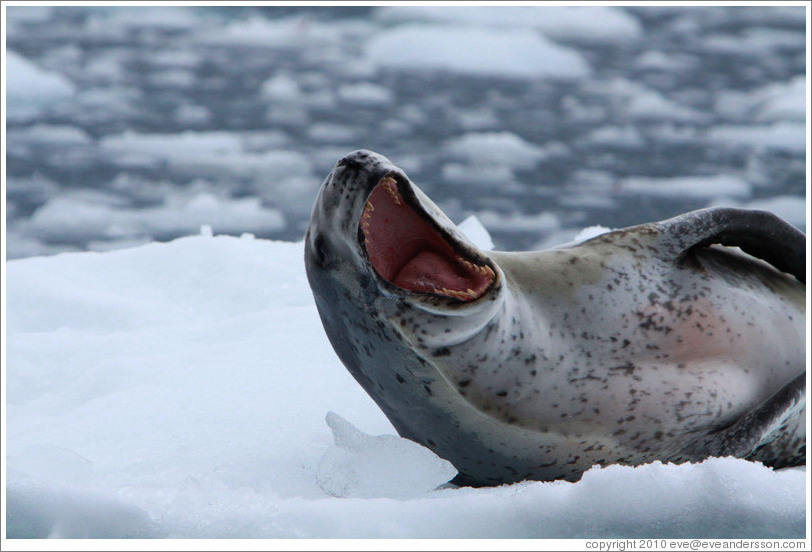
x=361 y=160
x=349 y=162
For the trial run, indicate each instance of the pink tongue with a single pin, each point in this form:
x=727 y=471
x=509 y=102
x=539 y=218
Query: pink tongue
x=429 y=272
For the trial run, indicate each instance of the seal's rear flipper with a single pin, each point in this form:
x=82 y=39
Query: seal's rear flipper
x=773 y=433
x=759 y=233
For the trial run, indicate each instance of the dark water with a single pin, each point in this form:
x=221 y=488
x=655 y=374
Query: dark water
x=666 y=101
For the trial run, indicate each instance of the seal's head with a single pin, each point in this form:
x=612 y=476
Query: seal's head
x=374 y=234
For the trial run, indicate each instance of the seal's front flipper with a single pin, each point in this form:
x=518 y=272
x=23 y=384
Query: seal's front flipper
x=761 y=234
x=773 y=433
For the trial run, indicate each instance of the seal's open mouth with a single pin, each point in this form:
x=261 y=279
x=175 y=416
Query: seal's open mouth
x=409 y=252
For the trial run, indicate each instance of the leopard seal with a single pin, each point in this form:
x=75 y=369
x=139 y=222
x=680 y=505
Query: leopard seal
x=671 y=341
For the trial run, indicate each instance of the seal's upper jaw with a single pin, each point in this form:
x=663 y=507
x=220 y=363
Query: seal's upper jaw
x=412 y=252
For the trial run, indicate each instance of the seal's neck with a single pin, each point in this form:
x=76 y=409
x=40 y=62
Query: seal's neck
x=430 y=326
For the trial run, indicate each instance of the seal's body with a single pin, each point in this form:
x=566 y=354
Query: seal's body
x=647 y=343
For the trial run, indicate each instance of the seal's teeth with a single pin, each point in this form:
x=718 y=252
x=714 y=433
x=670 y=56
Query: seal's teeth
x=391 y=186
x=467 y=263
x=368 y=208
x=489 y=271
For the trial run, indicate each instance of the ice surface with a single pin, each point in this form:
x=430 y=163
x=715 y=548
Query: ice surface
x=180 y=390
x=515 y=53
x=366 y=466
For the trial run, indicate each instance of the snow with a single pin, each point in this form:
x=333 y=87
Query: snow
x=185 y=390
x=484 y=52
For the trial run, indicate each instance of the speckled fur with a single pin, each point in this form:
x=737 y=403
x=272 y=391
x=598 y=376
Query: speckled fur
x=641 y=344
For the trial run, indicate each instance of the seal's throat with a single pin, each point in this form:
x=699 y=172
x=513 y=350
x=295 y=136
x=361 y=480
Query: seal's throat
x=408 y=251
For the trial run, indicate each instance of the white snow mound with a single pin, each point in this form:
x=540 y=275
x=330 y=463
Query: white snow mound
x=178 y=390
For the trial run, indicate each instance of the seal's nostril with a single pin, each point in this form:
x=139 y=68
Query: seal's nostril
x=357 y=160
x=350 y=163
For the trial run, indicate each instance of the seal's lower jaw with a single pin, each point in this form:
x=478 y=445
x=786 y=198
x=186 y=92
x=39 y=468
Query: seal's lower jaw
x=408 y=250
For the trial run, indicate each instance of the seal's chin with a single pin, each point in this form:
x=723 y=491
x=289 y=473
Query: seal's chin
x=410 y=252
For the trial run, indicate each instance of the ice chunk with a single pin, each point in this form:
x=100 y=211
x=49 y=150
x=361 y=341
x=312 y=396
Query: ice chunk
x=365 y=94
x=782 y=135
x=502 y=148
x=281 y=88
x=781 y=101
x=590 y=232
x=593 y=24
x=686 y=186
x=361 y=465
x=31 y=89
x=476 y=232
x=513 y=53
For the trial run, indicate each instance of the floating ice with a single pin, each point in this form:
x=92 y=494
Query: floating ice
x=514 y=53
x=31 y=89
x=595 y=25
x=75 y=216
x=773 y=102
x=686 y=186
x=474 y=230
x=366 y=466
x=495 y=148
x=365 y=93
x=784 y=135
